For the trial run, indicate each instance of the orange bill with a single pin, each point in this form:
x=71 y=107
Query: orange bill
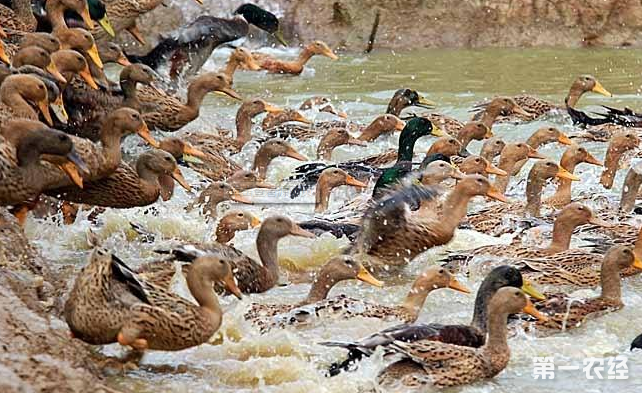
x=238 y=197
x=85 y=74
x=86 y=17
x=590 y=159
x=178 y=176
x=3 y=55
x=457 y=286
x=351 y=181
x=123 y=61
x=492 y=169
x=44 y=109
x=255 y=222
x=295 y=154
x=365 y=276
x=230 y=285
x=400 y=125
x=532 y=153
x=144 y=133
x=531 y=310
x=564 y=174
x=564 y=139
x=192 y=151
x=495 y=194
x=272 y=108
x=301 y=119
x=520 y=111
x=94 y=56
x=298 y=231
x=135 y=32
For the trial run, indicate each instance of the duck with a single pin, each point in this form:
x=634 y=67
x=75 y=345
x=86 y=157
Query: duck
x=70 y=63
x=322 y=104
x=252 y=276
x=124 y=13
x=537 y=107
x=29 y=148
x=38 y=57
x=56 y=13
x=570 y=217
x=414 y=129
x=215 y=145
x=330 y=179
x=43 y=40
x=478 y=165
x=511 y=155
x=16 y=94
x=243 y=180
x=295 y=67
x=104 y=159
x=232 y=222
x=338 y=269
x=109 y=303
x=90 y=106
x=636 y=343
x=172 y=115
x=392 y=235
x=601 y=129
x=127 y=187
x=442 y=365
x=619 y=145
x=111 y=52
x=473 y=131
x=239 y=58
x=344 y=307
x=3 y=54
x=81 y=40
x=472 y=335
x=191 y=45
x=565 y=313
x=214 y=194
x=380 y=125
x=573 y=156
x=333 y=138
x=19 y=17
x=493 y=220
x=270 y=150
x=492 y=148
x=541 y=137
x=406 y=98
x=182 y=151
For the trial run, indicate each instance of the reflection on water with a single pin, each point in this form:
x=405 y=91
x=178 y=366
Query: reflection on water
x=285 y=361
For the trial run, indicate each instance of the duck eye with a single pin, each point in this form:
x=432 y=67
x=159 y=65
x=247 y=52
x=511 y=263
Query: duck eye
x=240 y=214
x=248 y=175
x=441 y=271
x=477 y=160
x=221 y=186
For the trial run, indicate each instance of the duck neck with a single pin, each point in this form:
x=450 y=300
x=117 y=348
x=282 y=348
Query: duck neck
x=395 y=106
x=195 y=96
x=480 y=313
x=535 y=141
x=23 y=11
x=56 y=14
x=19 y=106
x=457 y=204
x=496 y=347
x=507 y=165
x=406 y=149
x=562 y=195
x=415 y=300
x=320 y=288
x=128 y=86
x=464 y=138
x=305 y=56
x=562 y=232
x=630 y=191
x=326 y=146
x=110 y=137
x=611 y=283
x=224 y=234
x=490 y=115
x=611 y=163
x=268 y=250
x=371 y=132
x=261 y=162
x=231 y=66
x=201 y=289
x=574 y=95
x=243 y=125
x=534 y=187
x=322 y=196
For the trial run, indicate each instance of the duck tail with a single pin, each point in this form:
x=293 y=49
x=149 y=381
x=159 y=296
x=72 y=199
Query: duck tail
x=579 y=117
x=127 y=276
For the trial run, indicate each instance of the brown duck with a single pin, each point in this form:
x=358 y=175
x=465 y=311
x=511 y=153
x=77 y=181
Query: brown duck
x=330 y=179
x=572 y=157
x=18 y=93
x=269 y=151
x=275 y=66
x=619 y=146
x=333 y=138
x=214 y=194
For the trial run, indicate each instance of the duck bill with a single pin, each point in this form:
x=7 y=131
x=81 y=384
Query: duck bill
x=599 y=89
x=532 y=153
x=298 y=231
x=457 y=286
x=492 y=169
x=85 y=74
x=53 y=70
x=344 y=115
x=123 y=61
x=86 y=17
x=251 y=64
x=520 y=111
x=495 y=194
x=59 y=110
x=528 y=289
x=351 y=181
x=44 y=109
x=72 y=173
x=564 y=174
x=255 y=222
x=230 y=285
x=302 y=119
x=269 y=108
x=106 y=25
x=365 y=276
x=599 y=222
x=456 y=173
x=144 y=133
x=436 y=131
x=564 y=139
x=238 y=197
x=489 y=133
x=590 y=159
x=94 y=56
x=3 y=55
x=400 y=125
x=178 y=176
x=296 y=155
x=330 y=54
x=192 y=151
x=279 y=37
x=262 y=184
x=356 y=142
x=637 y=262
x=230 y=93
x=423 y=102
x=531 y=310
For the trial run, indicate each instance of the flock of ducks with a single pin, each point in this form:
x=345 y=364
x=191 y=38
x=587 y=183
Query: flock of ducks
x=74 y=159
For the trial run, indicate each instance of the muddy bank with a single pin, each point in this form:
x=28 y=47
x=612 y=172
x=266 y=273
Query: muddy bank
x=36 y=352
x=408 y=24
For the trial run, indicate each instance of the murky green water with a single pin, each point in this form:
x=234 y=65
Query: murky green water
x=289 y=361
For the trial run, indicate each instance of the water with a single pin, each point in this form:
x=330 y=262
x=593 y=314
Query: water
x=290 y=361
